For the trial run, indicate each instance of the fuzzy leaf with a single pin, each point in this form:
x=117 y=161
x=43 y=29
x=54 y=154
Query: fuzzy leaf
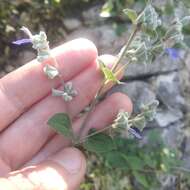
x=99 y=143
x=149 y=18
x=174 y=34
x=61 y=123
x=51 y=71
x=108 y=74
x=131 y=14
x=139 y=122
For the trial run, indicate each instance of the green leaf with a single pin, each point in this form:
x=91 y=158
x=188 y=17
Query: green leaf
x=99 y=143
x=107 y=9
x=116 y=160
x=108 y=74
x=61 y=123
x=131 y=14
x=141 y=179
x=149 y=161
x=134 y=162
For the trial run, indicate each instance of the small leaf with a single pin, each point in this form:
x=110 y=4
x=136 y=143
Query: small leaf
x=99 y=143
x=174 y=34
x=61 y=123
x=134 y=162
x=107 y=9
x=108 y=74
x=139 y=122
x=131 y=14
x=51 y=71
x=141 y=179
x=149 y=18
x=116 y=160
x=186 y=20
x=56 y=92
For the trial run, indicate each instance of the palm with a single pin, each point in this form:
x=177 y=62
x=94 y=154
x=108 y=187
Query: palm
x=26 y=105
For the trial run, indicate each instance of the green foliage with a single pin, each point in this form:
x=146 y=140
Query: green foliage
x=113 y=8
x=108 y=74
x=136 y=164
x=131 y=14
x=61 y=123
x=99 y=143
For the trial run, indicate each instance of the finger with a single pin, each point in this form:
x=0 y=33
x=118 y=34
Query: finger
x=33 y=124
x=63 y=171
x=102 y=116
x=27 y=85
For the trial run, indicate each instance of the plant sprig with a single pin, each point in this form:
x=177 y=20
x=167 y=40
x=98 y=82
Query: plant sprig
x=142 y=46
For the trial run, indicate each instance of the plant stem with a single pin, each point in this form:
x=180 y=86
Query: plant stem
x=121 y=56
x=92 y=105
x=92 y=134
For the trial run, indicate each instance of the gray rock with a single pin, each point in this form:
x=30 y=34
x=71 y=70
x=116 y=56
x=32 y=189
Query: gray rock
x=166 y=88
x=168 y=91
x=25 y=56
x=186 y=162
x=187 y=146
x=2 y=74
x=187 y=61
x=139 y=92
x=168 y=182
x=160 y=66
x=164 y=118
x=104 y=37
x=173 y=135
x=92 y=15
x=72 y=23
x=9 y=68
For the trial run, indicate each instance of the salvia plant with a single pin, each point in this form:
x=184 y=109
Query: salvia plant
x=149 y=38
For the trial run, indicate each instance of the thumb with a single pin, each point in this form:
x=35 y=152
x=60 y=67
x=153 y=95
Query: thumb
x=63 y=171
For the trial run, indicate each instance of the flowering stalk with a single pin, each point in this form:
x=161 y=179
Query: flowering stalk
x=41 y=44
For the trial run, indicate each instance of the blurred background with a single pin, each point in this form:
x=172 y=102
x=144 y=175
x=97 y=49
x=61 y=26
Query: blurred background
x=162 y=159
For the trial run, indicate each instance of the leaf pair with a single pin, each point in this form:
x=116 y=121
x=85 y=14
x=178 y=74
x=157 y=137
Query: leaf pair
x=148 y=19
x=108 y=73
x=98 y=143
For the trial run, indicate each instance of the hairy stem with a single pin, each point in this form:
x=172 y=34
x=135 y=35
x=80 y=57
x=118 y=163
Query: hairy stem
x=92 y=105
x=114 y=70
x=126 y=47
x=92 y=134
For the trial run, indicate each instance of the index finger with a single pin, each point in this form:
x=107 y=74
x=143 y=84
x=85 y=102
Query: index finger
x=27 y=85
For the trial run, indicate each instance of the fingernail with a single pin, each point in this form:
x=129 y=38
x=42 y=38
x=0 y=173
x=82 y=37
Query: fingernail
x=71 y=159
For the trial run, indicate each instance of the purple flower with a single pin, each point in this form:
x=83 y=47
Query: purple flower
x=22 y=41
x=173 y=53
x=135 y=132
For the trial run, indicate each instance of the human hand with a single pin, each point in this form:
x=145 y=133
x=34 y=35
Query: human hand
x=32 y=156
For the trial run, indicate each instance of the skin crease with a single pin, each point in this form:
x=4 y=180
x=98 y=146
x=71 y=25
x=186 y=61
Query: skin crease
x=32 y=156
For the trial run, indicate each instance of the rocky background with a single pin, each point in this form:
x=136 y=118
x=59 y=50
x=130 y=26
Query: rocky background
x=166 y=79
